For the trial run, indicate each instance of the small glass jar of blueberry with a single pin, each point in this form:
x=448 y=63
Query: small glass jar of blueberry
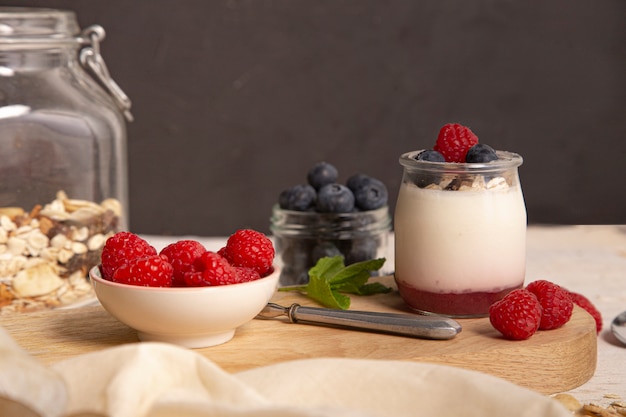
x=323 y=218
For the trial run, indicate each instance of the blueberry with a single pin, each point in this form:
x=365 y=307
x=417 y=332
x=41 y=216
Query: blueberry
x=430 y=155
x=322 y=174
x=335 y=198
x=481 y=153
x=300 y=198
x=324 y=249
x=356 y=181
x=424 y=180
x=296 y=259
x=360 y=249
x=371 y=195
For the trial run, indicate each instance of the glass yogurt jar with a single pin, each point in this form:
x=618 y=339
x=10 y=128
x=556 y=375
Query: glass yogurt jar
x=460 y=234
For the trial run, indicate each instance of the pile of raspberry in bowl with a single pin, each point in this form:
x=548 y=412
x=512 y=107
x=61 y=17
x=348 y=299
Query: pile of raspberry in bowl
x=129 y=259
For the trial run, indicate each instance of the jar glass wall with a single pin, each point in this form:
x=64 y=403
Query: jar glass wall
x=302 y=238
x=63 y=161
x=460 y=234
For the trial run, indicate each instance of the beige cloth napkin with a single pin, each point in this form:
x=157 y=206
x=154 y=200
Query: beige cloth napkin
x=161 y=380
x=26 y=381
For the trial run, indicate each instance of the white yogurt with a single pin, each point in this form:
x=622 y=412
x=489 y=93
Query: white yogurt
x=460 y=241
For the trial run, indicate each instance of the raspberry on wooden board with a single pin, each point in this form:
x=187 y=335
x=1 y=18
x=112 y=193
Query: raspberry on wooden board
x=583 y=302
x=555 y=301
x=517 y=315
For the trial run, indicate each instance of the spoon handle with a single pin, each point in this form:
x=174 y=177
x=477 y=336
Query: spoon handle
x=413 y=325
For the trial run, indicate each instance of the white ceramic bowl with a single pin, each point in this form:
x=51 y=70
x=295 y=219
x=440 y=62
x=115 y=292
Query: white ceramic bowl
x=191 y=317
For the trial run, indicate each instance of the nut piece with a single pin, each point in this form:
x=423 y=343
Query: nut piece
x=568 y=401
x=10 y=264
x=35 y=281
x=114 y=205
x=12 y=212
x=6 y=297
x=96 y=242
x=597 y=410
x=497 y=183
x=7 y=224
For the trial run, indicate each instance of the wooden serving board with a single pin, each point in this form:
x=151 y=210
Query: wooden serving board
x=549 y=362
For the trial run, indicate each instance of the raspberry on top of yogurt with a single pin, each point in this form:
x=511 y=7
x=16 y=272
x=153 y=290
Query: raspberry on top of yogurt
x=454 y=141
x=457 y=143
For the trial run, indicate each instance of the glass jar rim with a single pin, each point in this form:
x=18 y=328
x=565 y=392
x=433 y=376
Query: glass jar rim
x=32 y=25
x=305 y=223
x=506 y=160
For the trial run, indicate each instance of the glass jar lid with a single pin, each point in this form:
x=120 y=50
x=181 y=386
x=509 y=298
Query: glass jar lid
x=23 y=25
x=38 y=28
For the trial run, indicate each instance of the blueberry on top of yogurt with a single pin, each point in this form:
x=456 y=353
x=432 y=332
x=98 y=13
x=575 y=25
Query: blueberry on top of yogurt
x=430 y=155
x=480 y=153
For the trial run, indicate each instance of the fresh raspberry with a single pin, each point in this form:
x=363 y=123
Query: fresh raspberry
x=555 y=301
x=213 y=269
x=182 y=255
x=121 y=248
x=583 y=302
x=454 y=140
x=149 y=271
x=194 y=279
x=250 y=249
x=222 y=252
x=517 y=315
x=246 y=274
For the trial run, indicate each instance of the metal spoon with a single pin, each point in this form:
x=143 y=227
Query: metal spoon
x=427 y=327
x=618 y=327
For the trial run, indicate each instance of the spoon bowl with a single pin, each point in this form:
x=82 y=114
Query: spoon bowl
x=618 y=327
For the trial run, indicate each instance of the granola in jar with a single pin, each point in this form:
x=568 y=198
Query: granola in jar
x=46 y=252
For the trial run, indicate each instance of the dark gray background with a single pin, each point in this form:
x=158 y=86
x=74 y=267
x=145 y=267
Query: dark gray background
x=235 y=100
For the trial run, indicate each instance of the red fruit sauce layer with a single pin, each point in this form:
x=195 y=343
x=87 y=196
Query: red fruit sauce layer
x=467 y=304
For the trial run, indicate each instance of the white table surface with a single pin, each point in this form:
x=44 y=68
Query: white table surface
x=590 y=260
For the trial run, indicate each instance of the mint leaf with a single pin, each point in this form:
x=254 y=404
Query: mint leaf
x=350 y=278
x=319 y=287
x=329 y=279
x=373 y=288
x=340 y=301
x=326 y=268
